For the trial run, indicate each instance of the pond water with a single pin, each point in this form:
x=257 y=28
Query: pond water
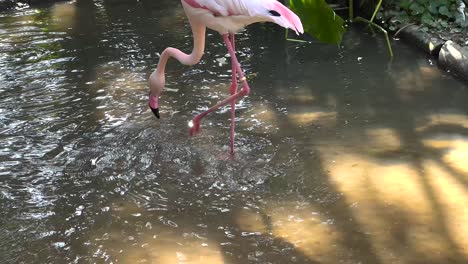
x=342 y=156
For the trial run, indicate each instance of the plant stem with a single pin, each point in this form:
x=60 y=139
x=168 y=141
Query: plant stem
x=375 y=11
x=298 y=40
x=389 y=45
x=351 y=10
x=286 y=33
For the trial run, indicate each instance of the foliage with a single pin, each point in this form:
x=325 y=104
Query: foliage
x=437 y=14
x=319 y=20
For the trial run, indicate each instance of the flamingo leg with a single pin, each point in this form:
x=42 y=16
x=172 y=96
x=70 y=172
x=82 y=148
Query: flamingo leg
x=195 y=123
x=233 y=90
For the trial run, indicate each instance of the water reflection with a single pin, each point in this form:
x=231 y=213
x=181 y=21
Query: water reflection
x=339 y=160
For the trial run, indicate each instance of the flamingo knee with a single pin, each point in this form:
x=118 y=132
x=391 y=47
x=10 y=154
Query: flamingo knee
x=245 y=87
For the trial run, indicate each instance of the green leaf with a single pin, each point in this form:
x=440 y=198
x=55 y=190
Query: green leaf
x=427 y=19
x=416 y=8
x=405 y=4
x=434 y=7
x=444 y=23
x=443 y=10
x=319 y=20
x=401 y=18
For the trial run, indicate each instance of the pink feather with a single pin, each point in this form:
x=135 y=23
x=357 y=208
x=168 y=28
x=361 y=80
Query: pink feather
x=232 y=15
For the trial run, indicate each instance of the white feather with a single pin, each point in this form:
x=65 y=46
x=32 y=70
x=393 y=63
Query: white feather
x=232 y=15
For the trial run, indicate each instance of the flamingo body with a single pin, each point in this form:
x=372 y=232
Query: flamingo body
x=230 y=16
x=227 y=17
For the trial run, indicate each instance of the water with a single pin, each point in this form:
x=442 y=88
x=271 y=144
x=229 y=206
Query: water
x=342 y=156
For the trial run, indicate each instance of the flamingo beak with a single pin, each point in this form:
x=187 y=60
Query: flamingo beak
x=153 y=105
x=155 y=112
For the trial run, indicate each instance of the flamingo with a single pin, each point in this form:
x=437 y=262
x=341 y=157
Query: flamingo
x=227 y=17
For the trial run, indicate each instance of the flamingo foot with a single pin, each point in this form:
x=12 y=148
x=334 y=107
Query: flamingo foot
x=194 y=126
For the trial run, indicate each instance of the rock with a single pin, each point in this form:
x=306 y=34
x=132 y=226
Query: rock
x=453 y=57
x=428 y=43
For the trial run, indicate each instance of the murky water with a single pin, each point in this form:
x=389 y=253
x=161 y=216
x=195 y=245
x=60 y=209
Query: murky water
x=342 y=156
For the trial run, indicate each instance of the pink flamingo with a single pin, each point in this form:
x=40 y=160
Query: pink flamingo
x=227 y=17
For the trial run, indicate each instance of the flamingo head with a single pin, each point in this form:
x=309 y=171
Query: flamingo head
x=157 y=82
x=281 y=15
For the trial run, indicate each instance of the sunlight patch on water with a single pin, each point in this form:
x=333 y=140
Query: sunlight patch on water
x=139 y=236
x=383 y=139
x=117 y=93
x=249 y=221
x=302 y=226
x=64 y=14
x=116 y=79
x=411 y=83
x=166 y=250
x=454 y=151
x=312 y=116
x=403 y=204
x=302 y=95
x=450 y=191
x=446 y=118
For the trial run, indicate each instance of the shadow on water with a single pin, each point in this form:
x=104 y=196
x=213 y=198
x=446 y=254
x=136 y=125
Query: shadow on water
x=342 y=156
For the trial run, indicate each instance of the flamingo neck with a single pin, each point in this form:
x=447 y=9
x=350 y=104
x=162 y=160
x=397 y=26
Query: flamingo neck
x=186 y=59
x=157 y=78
